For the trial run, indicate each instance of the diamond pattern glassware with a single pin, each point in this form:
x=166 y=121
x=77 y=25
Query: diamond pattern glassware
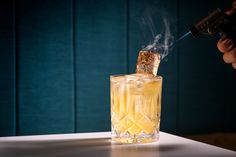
x=135 y=108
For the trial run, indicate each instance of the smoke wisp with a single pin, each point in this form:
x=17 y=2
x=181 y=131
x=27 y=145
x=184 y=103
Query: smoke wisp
x=163 y=42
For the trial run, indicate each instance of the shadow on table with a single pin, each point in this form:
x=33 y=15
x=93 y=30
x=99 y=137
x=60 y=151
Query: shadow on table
x=52 y=148
x=85 y=148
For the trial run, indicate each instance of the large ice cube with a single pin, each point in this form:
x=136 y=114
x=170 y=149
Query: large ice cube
x=148 y=62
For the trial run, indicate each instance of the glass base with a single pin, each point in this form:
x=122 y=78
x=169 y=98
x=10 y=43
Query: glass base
x=141 y=138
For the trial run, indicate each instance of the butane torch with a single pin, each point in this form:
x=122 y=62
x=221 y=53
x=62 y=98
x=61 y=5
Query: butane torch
x=216 y=22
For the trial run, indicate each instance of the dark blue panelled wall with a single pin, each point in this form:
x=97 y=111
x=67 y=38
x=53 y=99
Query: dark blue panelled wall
x=100 y=47
x=56 y=57
x=45 y=92
x=7 y=69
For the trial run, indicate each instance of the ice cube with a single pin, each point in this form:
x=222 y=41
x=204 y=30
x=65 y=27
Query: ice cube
x=147 y=62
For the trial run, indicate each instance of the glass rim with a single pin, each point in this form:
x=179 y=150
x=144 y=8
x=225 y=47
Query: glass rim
x=158 y=77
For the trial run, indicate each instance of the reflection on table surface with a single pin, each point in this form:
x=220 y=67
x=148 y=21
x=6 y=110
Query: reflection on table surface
x=82 y=147
x=168 y=146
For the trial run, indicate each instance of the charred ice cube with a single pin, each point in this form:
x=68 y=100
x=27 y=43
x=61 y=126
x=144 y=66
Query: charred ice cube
x=148 y=62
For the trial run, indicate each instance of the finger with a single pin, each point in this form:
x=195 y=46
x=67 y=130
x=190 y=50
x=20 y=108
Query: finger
x=234 y=5
x=234 y=65
x=225 y=45
x=230 y=57
x=231 y=10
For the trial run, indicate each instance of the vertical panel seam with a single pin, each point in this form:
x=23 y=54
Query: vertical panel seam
x=127 y=36
x=178 y=69
x=74 y=63
x=16 y=60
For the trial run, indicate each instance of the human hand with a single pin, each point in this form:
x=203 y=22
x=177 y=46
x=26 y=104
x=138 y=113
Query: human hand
x=228 y=46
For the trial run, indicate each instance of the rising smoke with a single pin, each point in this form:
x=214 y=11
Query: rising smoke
x=163 y=41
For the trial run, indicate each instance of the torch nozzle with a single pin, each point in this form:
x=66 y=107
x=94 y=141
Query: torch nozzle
x=216 y=22
x=210 y=25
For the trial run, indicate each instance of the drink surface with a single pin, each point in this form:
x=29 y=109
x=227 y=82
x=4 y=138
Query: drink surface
x=135 y=107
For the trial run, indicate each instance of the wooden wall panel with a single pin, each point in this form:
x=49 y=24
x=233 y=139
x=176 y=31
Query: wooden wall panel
x=7 y=69
x=100 y=52
x=45 y=64
x=203 y=76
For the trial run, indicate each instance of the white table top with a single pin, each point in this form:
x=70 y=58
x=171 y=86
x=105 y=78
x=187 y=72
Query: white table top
x=99 y=145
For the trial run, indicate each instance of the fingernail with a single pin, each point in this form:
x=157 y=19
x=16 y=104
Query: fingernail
x=228 y=43
x=229 y=12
